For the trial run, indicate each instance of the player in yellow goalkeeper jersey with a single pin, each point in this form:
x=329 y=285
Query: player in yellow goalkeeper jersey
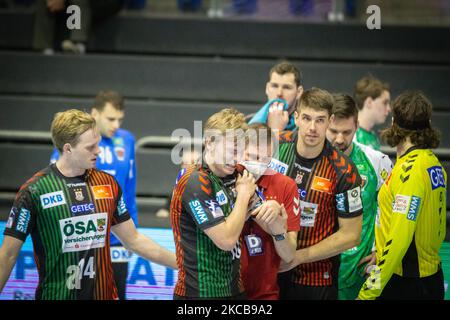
x=410 y=227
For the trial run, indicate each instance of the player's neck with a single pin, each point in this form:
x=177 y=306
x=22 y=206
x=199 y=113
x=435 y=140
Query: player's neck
x=309 y=152
x=365 y=121
x=404 y=146
x=67 y=169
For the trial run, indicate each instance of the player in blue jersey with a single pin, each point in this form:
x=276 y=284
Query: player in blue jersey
x=117 y=157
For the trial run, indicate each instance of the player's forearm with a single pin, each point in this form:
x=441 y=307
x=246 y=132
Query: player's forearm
x=329 y=247
x=150 y=250
x=6 y=266
x=286 y=248
x=235 y=221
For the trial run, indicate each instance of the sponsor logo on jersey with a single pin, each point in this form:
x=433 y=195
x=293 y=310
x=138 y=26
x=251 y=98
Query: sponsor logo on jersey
x=414 y=208
x=120 y=153
x=301 y=193
x=214 y=208
x=121 y=206
x=340 y=202
x=76 y=185
x=198 y=211
x=12 y=215
x=401 y=204
x=278 y=166
x=354 y=199
x=221 y=198
x=254 y=245
x=321 y=184
x=102 y=192
x=436 y=177
x=23 y=220
x=82 y=208
x=83 y=232
x=53 y=199
x=308 y=214
x=299 y=167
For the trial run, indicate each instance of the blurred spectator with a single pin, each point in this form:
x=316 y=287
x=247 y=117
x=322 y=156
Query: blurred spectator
x=189 y=5
x=51 y=18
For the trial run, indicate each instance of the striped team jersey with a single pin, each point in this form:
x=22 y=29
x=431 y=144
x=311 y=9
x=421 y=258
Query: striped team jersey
x=412 y=222
x=201 y=200
x=69 y=220
x=329 y=187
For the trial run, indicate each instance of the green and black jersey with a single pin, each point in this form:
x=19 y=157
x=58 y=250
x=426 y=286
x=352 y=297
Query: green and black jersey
x=200 y=200
x=69 y=220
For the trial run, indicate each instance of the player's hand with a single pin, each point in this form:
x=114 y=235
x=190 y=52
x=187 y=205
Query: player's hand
x=55 y=5
x=245 y=184
x=267 y=213
x=370 y=260
x=277 y=118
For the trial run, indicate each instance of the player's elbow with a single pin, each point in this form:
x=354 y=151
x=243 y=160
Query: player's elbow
x=225 y=244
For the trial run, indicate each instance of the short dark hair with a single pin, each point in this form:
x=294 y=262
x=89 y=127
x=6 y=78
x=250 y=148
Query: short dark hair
x=108 y=96
x=317 y=99
x=286 y=67
x=412 y=118
x=344 y=107
x=368 y=86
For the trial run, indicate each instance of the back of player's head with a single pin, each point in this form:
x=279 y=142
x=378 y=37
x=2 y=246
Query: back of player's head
x=344 y=107
x=108 y=96
x=69 y=125
x=286 y=67
x=411 y=117
x=225 y=120
x=316 y=99
x=366 y=87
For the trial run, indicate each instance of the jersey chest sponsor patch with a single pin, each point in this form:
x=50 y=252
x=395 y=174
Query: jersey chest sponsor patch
x=102 y=192
x=401 y=204
x=321 y=184
x=278 y=166
x=53 y=199
x=84 y=232
x=221 y=198
x=308 y=214
x=436 y=177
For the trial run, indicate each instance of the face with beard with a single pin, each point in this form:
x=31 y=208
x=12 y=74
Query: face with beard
x=340 y=132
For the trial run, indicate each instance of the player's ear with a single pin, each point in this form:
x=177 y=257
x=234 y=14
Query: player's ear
x=94 y=112
x=299 y=91
x=67 y=148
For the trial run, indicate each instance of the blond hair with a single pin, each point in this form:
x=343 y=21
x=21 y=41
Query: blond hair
x=68 y=126
x=226 y=119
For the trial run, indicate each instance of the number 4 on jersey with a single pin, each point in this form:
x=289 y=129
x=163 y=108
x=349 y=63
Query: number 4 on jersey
x=76 y=273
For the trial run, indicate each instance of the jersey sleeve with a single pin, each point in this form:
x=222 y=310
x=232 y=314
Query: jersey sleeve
x=292 y=205
x=383 y=170
x=408 y=197
x=55 y=156
x=348 y=197
x=121 y=213
x=130 y=184
x=22 y=217
x=199 y=200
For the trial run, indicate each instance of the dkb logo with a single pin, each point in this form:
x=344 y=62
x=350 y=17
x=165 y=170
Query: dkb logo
x=53 y=199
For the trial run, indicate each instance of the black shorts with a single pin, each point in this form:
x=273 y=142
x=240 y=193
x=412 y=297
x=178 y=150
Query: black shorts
x=427 y=288
x=293 y=291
